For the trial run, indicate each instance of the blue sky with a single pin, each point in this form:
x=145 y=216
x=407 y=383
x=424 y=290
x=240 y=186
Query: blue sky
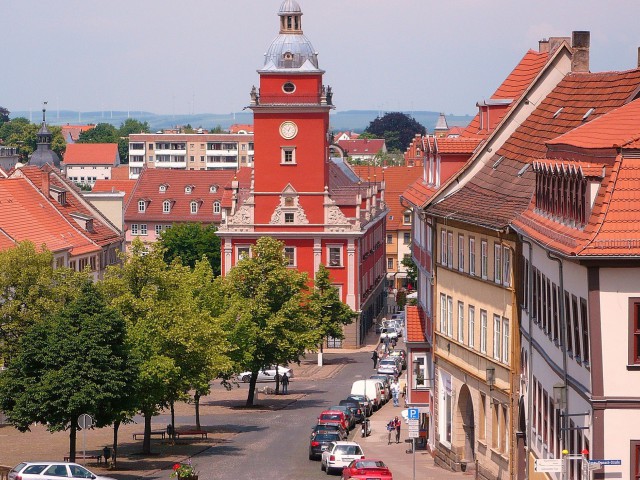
x=197 y=56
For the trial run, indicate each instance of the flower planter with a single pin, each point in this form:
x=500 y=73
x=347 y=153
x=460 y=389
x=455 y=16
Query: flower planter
x=188 y=477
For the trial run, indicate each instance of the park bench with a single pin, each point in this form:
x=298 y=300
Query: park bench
x=183 y=433
x=79 y=457
x=161 y=433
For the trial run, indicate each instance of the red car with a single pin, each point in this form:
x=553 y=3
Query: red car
x=334 y=417
x=365 y=469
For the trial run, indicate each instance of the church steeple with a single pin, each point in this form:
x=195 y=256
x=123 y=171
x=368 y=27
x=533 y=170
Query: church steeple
x=43 y=153
x=290 y=17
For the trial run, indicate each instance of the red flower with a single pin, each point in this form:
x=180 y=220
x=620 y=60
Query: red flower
x=176 y=466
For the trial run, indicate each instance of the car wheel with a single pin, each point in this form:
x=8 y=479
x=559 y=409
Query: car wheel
x=328 y=471
x=322 y=467
x=246 y=378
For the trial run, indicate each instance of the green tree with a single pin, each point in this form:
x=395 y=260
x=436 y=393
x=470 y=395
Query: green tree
x=325 y=306
x=217 y=129
x=4 y=115
x=22 y=134
x=412 y=271
x=101 y=133
x=74 y=362
x=129 y=126
x=265 y=315
x=398 y=130
x=191 y=242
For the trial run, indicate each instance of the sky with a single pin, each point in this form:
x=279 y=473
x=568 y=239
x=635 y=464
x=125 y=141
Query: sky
x=201 y=56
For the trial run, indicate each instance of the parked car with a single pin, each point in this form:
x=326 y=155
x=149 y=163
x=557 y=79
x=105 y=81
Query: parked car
x=366 y=469
x=394 y=324
x=339 y=455
x=401 y=355
x=378 y=327
x=386 y=384
x=333 y=417
x=365 y=403
x=389 y=333
x=267 y=375
x=390 y=365
x=357 y=409
x=48 y=470
x=369 y=388
x=330 y=428
x=351 y=418
x=320 y=441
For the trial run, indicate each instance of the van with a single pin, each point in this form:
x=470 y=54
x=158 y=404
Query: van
x=370 y=389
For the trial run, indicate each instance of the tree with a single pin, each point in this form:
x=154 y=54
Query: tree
x=4 y=115
x=129 y=126
x=398 y=130
x=265 y=315
x=412 y=270
x=101 y=133
x=330 y=313
x=191 y=242
x=74 y=362
x=20 y=133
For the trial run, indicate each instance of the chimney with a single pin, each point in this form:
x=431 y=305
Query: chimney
x=580 y=41
x=638 y=57
x=543 y=46
x=45 y=183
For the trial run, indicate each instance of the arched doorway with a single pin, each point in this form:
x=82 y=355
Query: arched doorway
x=465 y=414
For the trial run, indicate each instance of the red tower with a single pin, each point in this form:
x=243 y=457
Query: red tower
x=314 y=204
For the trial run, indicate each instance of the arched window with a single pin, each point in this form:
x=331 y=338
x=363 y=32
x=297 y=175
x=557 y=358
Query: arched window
x=142 y=206
x=216 y=207
x=194 y=207
x=166 y=206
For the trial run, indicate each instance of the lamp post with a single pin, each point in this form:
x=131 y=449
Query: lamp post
x=491 y=377
x=560 y=399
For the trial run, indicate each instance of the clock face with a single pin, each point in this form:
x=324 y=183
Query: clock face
x=288 y=130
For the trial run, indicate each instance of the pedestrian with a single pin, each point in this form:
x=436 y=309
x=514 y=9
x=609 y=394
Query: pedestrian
x=390 y=428
x=397 y=425
x=395 y=392
x=285 y=383
x=374 y=357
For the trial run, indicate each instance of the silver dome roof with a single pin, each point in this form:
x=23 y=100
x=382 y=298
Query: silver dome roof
x=288 y=7
x=290 y=51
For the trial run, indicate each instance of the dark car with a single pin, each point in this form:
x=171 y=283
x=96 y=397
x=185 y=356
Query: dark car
x=351 y=419
x=356 y=409
x=365 y=403
x=332 y=428
x=320 y=441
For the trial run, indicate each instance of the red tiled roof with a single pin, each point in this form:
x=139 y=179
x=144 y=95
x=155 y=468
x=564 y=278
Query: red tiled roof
x=451 y=145
x=415 y=324
x=367 y=146
x=503 y=188
x=148 y=188
x=121 y=172
x=237 y=127
x=125 y=186
x=91 y=154
x=419 y=193
x=70 y=133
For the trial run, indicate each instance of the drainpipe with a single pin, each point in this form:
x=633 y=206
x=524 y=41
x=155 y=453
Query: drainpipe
x=529 y=295
x=563 y=331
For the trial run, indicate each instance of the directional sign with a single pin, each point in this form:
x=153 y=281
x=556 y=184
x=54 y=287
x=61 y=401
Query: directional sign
x=593 y=465
x=414 y=432
x=607 y=462
x=548 y=465
x=413 y=414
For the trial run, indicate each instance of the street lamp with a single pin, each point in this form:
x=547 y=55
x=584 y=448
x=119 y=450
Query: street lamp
x=560 y=395
x=491 y=377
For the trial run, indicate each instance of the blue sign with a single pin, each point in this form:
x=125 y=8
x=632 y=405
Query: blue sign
x=607 y=462
x=413 y=414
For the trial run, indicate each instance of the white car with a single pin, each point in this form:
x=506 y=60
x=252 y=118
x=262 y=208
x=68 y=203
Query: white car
x=339 y=455
x=390 y=333
x=47 y=470
x=390 y=366
x=266 y=375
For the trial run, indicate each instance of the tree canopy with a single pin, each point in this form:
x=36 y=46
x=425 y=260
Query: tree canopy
x=22 y=134
x=191 y=242
x=397 y=129
x=4 y=115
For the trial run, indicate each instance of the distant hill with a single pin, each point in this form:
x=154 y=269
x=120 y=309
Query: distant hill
x=355 y=120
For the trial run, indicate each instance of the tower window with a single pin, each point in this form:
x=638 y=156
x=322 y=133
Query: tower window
x=289 y=218
x=288 y=87
x=288 y=155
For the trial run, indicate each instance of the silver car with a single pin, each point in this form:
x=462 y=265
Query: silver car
x=390 y=366
x=48 y=470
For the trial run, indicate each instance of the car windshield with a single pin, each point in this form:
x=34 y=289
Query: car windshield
x=348 y=450
x=326 y=437
x=370 y=464
x=388 y=362
x=330 y=416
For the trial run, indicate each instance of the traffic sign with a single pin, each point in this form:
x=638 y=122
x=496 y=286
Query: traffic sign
x=413 y=414
x=85 y=421
x=414 y=432
x=548 y=465
x=607 y=462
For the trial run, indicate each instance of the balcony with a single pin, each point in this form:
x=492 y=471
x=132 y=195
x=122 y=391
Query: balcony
x=225 y=153
x=171 y=152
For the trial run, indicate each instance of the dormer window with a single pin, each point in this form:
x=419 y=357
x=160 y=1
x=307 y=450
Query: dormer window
x=61 y=194
x=216 y=207
x=193 y=207
x=213 y=189
x=163 y=188
x=142 y=206
x=166 y=206
x=188 y=189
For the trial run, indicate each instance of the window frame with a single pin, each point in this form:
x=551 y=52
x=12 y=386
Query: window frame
x=283 y=155
x=290 y=253
x=143 y=229
x=166 y=206
x=443 y=247
x=471 y=335
x=497 y=337
x=497 y=262
x=216 y=208
x=483 y=330
x=449 y=316
x=460 y=252
x=340 y=252
x=239 y=249
x=634 y=331
x=449 y=249
x=422 y=366
x=484 y=259
x=472 y=256
x=134 y=229
x=443 y=313
x=506 y=266
x=142 y=206
x=460 y=321
x=506 y=339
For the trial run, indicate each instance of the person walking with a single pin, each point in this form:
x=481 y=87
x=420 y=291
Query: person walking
x=390 y=428
x=395 y=392
x=285 y=383
x=397 y=424
x=374 y=357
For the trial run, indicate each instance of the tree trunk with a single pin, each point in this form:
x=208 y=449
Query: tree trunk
x=277 y=380
x=146 y=442
x=252 y=388
x=114 y=454
x=173 y=422
x=320 y=354
x=196 y=400
x=73 y=433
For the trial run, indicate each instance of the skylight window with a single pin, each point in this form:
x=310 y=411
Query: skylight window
x=586 y=115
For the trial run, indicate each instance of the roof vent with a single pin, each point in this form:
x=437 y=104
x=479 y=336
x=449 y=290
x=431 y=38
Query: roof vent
x=558 y=112
x=523 y=169
x=589 y=112
x=498 y=162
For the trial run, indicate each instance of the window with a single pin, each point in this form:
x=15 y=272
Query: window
x=335 y=256
x=289 y=217
x=472 y=326
x=461 y=252
x=290 y=256
x=461 y=322
x=80 y=472
x=390 y=263
x=443 y=247
x=216 y=207
x=193 y=207
x=288 y=156
x=506 y=266
x=243 y=251
x=567 y=316
x=472 y=256
x=497 y=339
x=289 y=87
x=484 y=259
x=505 y=340
x=497 y=263
x=450 y=249
x=406 y=219
x=584 y=320
x=450 y=316
x=635 y=459
x=389 y=238
x=504 y=440
x=556 y=317
x=634 y=331
x=406 y=238
x=575 y=323
x=495 y=430
x=143 y=229
x=166 y=206
x=483 y=331
x=443 y=313
x=134 y=229
x=420 y=371
x=142 y=206
x=445 y=412
x=158 y=229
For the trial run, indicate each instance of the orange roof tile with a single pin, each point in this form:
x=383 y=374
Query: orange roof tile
x=415 y=320
x=91 y=154
x=125 y=186
x=451 y=145
x=366 y=146
x=121 y=172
